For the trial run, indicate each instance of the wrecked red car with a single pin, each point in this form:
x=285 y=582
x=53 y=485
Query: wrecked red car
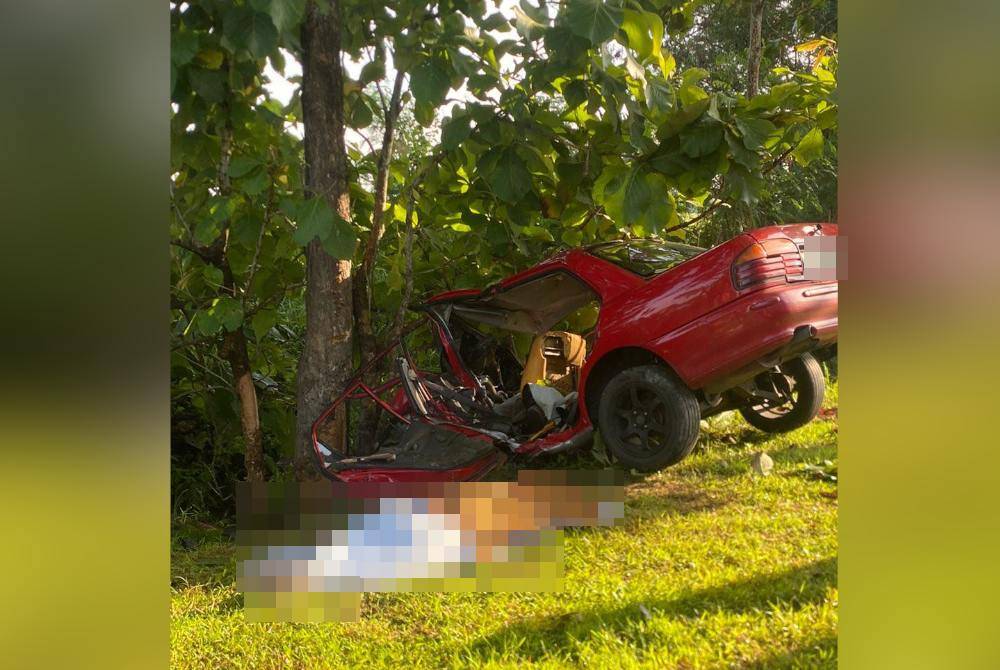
x=639 y=339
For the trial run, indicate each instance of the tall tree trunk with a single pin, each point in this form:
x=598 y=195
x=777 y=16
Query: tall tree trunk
x=326 y=358
x=756 y=46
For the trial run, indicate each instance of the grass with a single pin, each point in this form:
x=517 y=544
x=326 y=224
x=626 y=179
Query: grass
x=713 y=567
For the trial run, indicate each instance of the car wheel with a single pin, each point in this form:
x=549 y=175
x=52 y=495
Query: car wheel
x=797 y=387
x=648 y=418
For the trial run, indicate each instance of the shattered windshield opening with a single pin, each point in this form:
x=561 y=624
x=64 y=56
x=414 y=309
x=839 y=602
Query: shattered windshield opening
x=645 y=257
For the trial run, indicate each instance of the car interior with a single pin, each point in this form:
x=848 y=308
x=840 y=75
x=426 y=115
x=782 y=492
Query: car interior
x=524 y=346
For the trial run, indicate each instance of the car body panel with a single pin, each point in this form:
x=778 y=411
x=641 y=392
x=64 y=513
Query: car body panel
x=691 y=317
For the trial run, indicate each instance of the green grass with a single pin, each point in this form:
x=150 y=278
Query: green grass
x=713 y=567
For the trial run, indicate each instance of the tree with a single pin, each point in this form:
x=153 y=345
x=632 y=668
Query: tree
x=756 y=44
x=577 y=121
x=327 y=355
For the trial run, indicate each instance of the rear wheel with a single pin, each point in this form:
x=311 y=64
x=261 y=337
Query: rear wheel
x=794 y=394
x=648 y=418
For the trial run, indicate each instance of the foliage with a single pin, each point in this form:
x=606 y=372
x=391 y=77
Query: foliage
x=713 y=567
x=563 y=124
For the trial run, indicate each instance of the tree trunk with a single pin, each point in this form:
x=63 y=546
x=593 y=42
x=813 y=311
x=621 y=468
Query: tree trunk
x=326 y=358
x=234 y=343
x=756 y=46
x=234 y=350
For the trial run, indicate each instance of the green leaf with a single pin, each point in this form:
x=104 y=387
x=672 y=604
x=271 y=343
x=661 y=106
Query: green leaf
x=242 y=165
x=537 y=233
x=510 y=179
x=255 y=183
x=253 y=31
x=575 y=93
x=341 y=240
x=637 y=31
x=263 y=321
x=572 y=237
x=755 y=131
x=495 y=22
x=637 y=197
x=208 y=323
x=287 y=14
x=563 y=46
x=430 y=82
x=209 y=84
x=809 y=148
x=594 y=19
x=701 y=139
x=691 y=94
x=659 y=95
x=373 y=71
x=213 y=275
x=694 y=75
x=315 y=219
x=740 y=153
x=206 y=230
x=645 y=34
x=530 y=22
x=743 y=184
x=454 y=131
x=183 y=47
x=358 y=111
x=424 y=112
x=229 y=312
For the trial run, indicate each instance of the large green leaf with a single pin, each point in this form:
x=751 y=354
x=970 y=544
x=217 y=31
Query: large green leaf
x=314 y=218
x=228 y=311
x=701 y=139
x=263 y=321
x=341 y=241
x=645 y=34
x=755 y=131
x=454 y=131
x=183 y=47
x=430 y=82
x=242 y=166
x=809 y=148
x=510 y=179
x=250 y=30
x=286 y=14
x=563 y=46
x=594 y=19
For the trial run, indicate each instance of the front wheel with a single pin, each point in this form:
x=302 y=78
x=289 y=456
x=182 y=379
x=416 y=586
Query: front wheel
x=790 y=396
x=648 y=418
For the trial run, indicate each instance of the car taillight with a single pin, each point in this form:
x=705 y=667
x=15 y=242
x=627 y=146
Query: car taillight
x=766 y=263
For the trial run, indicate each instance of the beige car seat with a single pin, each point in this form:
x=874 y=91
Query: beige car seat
x=555 y=359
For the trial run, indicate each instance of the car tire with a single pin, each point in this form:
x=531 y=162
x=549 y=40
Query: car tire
x=809 y=386
x=648 y=418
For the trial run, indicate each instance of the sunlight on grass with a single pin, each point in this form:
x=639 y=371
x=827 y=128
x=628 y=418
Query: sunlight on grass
x=713 y=567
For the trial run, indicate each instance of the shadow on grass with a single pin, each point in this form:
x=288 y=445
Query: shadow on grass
x=557 y=636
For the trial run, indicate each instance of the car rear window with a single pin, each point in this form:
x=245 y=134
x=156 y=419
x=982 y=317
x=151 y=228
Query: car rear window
x=645 y=257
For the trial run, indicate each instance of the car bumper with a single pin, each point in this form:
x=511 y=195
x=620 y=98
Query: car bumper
x=752 y=333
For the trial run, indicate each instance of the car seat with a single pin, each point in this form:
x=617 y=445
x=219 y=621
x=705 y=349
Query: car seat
x=555 y=359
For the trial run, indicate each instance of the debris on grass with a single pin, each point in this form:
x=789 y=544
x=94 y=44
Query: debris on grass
x=762 y=463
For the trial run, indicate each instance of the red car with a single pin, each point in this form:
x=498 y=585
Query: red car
x=639 y=339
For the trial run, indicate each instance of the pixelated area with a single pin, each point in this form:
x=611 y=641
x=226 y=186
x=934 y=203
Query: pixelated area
x=824 y=258
x=307 y=551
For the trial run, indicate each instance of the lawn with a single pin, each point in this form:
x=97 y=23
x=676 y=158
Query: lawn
x=714 y=566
